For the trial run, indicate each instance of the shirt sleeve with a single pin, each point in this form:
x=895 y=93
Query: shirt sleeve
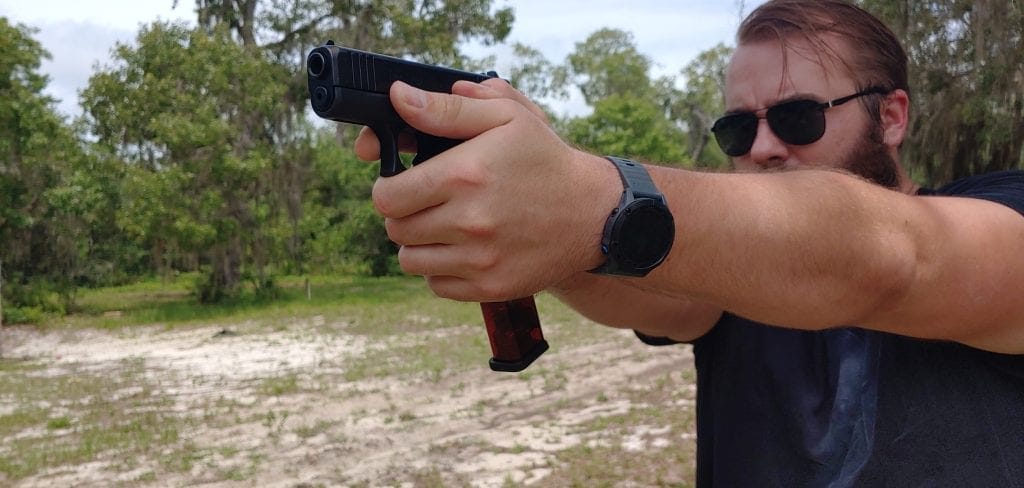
x=1003 y=187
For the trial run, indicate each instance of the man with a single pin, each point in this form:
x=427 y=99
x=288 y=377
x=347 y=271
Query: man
x=848 y=329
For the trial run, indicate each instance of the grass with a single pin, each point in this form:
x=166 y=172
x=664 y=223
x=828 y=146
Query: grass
x=171 y=302
x=67 y=418
x=279 y=385
x=77 y=417
x=55 y=418
x=605 y=457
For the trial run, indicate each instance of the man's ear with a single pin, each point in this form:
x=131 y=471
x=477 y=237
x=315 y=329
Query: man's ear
x=895 y=115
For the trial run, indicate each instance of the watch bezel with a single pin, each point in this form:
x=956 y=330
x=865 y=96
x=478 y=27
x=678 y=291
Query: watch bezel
x=619 y=261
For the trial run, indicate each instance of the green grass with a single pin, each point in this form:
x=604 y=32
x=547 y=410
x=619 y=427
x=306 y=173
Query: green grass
x=171 y=302
x=279 y=385
x=77 y=417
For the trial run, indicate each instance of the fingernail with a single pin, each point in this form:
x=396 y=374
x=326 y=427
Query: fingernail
x=414 y=96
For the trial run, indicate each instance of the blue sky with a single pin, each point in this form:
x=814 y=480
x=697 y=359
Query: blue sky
x=79 y=34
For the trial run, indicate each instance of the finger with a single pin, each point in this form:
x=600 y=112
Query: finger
x=497 y=88
x=451 y=116
x=453 y=272
x=367 y=145
x=412 y=191
x=457 y=288
x=442 y=224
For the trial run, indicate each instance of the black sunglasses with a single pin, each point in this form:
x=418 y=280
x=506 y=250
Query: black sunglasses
x=797 y=122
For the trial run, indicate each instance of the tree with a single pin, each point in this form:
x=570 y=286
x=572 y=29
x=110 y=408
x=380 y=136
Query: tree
x=607 y=63
x=43 y=240
x=967 y=84
x=284 y=32
x=195 y=117
x=632 y=114
x=536 y=76
x=340 y=228
x=702 y=103
x=430 y=30
x=628 y=126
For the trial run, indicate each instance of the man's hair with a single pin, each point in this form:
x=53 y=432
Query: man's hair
x=873 y=54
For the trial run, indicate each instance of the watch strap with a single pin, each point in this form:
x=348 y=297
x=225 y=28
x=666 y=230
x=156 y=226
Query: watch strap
x=636 y=183
x=635 y=179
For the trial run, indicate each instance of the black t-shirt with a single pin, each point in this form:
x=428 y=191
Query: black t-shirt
x=852 y=407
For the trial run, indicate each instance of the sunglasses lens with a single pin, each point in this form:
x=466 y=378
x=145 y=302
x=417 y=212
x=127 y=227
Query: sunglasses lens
x=799 y=122
x=735 y=133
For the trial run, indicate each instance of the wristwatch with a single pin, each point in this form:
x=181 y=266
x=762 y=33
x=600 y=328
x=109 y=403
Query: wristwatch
x=639 y=232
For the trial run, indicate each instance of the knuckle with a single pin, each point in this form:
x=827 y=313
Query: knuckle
x=450 y=108
x=478 y=225
x=406 y=262
x=478 y=230
x=394 y=231
x=483 y=263
x=383 y=202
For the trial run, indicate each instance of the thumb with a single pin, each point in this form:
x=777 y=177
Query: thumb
x=446 y=115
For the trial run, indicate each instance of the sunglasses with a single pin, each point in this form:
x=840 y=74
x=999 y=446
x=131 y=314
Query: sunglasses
x=797 y=122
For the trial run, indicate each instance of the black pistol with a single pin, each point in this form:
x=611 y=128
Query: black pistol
x=348 y=85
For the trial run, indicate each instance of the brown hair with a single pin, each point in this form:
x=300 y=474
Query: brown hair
x=876 y=57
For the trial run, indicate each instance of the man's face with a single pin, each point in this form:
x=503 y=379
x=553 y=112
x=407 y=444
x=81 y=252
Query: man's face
x=761 y=75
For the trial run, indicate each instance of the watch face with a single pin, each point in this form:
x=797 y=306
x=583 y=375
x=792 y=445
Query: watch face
x=645 y=233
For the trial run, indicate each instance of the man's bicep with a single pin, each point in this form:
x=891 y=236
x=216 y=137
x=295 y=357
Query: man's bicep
x=967 y=276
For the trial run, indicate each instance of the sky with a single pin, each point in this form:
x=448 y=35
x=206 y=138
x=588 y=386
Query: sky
x=80 y=34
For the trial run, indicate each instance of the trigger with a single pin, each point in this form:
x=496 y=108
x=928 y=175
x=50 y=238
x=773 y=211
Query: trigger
x=390 y=161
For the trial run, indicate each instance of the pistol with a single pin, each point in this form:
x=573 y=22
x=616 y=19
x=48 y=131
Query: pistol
x=348 y=85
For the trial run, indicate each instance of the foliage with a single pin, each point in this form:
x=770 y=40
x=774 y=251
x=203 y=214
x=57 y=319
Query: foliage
x=967 y=84
x=702 y=103
x=196 y=152
x=633 y=114
x=606 y=64
x=49 y=229
x=342 y=229
x=629 y=126
x=192 y=115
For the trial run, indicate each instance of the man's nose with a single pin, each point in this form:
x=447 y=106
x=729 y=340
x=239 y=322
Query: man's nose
x=768 y=151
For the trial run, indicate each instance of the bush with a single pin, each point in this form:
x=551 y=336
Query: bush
x=23 y=315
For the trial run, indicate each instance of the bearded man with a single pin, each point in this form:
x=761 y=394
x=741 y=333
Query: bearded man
x=848 y=327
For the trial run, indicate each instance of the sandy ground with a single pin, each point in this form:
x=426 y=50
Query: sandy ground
x=326 y=426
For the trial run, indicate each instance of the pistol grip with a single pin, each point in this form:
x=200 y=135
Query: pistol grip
x=513 y=329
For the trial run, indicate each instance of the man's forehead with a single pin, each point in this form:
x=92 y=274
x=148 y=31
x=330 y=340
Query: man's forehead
x=765 y=72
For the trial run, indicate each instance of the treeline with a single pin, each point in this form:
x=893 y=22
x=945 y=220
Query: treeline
x=195 y=151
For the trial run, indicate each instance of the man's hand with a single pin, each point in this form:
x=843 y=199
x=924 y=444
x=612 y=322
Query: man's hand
x=509 y=212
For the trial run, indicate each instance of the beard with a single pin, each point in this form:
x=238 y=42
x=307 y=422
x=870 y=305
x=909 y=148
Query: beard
x=870 y=159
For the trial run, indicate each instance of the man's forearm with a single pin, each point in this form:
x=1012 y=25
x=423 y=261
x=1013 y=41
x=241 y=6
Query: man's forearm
x=809 y=249
x=626 y=303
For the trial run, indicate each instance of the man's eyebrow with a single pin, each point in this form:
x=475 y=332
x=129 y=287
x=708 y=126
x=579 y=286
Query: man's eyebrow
x=789 y=98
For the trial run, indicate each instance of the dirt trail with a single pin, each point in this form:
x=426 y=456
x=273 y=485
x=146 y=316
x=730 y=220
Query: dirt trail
x=274 y=408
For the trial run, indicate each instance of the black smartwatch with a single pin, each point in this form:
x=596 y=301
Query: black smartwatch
x=639 y=232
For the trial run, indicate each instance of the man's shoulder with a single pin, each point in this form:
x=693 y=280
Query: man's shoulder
x=1004 y=187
